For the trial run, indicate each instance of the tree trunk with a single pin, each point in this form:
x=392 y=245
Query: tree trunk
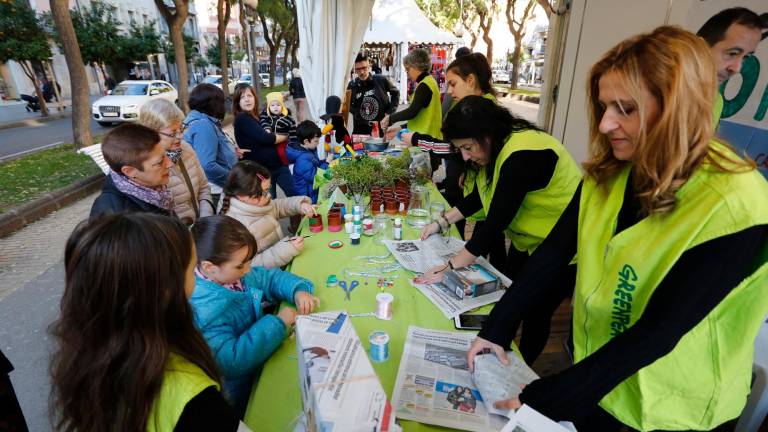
x=294 y=59
x=30 y=73
x=81 y=105
x=515 y=65
x=223 y=10
x=175 y=22
x=274 y=45
x=486 y=22
x=517 y=28
x=288 y=48
x=244 y=35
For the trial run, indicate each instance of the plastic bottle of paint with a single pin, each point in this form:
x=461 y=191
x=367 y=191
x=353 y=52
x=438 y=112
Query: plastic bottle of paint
x=397 y=229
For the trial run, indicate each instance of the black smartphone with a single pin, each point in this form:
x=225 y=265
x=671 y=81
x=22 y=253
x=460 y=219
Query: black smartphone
x=470 y=321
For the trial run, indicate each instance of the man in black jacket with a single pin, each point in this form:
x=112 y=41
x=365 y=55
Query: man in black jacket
x=373 y=96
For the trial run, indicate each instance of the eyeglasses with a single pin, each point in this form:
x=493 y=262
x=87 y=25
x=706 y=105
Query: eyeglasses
x=176 y=135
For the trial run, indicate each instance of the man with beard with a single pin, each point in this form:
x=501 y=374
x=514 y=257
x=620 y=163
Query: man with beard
x=373 y=96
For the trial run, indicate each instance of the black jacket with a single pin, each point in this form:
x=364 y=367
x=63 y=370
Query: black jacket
x=296 y=88
x=112 y=200
x=372 y=99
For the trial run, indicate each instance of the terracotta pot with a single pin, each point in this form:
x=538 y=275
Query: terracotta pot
x=334 y=221
x=376 y=206
x=390 y=206
x=402 y=183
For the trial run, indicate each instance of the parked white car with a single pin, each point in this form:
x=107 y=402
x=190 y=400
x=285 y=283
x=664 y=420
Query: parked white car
x=500 y=76
x=264 y=79
x=217 y=80
x=124 y=101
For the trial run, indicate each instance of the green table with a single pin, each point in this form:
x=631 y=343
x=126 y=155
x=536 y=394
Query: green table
x=275 y=402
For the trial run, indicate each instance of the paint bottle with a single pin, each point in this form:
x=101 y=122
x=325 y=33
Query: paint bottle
x=397 y=229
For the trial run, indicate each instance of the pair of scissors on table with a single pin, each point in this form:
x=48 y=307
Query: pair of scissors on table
x=348 y=290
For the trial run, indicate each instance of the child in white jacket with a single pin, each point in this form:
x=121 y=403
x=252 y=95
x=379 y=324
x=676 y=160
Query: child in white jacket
x=247 y=199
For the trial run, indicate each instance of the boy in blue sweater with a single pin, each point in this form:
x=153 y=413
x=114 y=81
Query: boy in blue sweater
x=305 y=161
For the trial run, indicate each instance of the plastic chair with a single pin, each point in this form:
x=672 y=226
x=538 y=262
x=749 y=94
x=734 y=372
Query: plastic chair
x=757 y=405
x=94 y=152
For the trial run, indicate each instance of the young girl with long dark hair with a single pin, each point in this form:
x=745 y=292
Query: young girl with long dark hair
x=128 y=356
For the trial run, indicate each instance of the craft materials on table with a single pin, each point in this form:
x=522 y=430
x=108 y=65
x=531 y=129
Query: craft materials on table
x=294 y=238
x=348 y=288
x=384 y=305
x=335 y=244
x=379 y=346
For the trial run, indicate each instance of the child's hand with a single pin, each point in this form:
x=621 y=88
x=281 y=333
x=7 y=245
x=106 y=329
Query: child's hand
x=298 y=243
x=305 y=302
x=288 y=315
x=308 y=209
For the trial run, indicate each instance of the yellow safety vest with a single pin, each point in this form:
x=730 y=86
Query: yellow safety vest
x=182 y=381
x=429 y=119
x=540 y=209
x=705 y=380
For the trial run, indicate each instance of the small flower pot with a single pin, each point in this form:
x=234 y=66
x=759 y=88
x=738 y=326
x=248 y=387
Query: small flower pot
x=316 y=223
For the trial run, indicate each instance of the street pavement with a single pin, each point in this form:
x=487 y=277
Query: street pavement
x=31 y=285
x=36 y=133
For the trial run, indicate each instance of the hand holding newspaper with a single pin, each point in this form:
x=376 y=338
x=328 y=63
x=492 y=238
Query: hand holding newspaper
x=419 y=256
x=496 y=381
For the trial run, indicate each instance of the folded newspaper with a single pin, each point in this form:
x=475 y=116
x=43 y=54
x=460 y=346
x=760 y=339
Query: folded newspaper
x=419 y=256
x=434 y=385
x=339 y=389
x=496 y=381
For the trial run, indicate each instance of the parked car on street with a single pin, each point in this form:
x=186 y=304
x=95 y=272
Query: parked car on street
x=217 y=80
x=123 y=103
x=264 y=79
x=501 y=76
x=245 y=79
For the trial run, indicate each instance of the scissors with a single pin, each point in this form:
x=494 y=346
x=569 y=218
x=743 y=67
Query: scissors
x=352 y=286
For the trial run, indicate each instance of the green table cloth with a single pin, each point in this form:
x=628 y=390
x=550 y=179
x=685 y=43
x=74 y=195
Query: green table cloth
x=275 y=403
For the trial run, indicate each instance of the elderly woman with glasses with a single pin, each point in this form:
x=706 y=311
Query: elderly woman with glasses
x=424 y=114
x=188 y=183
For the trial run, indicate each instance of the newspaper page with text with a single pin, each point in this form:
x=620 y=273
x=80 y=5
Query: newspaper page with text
x=339 y=388
x=434 y=385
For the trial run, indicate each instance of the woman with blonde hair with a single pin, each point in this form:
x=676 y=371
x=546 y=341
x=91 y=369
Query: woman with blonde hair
x=670 y=227
x=188 y=183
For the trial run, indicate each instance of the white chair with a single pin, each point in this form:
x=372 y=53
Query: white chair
x=94 y=152
x=757 y=405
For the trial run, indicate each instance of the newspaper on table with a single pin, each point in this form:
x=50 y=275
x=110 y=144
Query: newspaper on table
x=434 y=385
x=419 y=256
x=496 y=381
x=527 y=419
x=339 y=388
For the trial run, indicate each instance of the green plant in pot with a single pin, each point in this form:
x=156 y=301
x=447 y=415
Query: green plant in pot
x=358 y=175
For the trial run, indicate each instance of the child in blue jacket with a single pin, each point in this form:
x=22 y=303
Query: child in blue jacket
x=305 y=161
x=228 y=298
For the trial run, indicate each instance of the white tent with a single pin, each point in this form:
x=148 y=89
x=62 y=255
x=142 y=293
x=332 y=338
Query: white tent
x=401 y=22
x=331 y=32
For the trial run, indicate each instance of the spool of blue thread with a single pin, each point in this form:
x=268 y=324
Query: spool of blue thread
x=379 y=341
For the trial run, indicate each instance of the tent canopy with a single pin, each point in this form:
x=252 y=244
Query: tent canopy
x=401 y=21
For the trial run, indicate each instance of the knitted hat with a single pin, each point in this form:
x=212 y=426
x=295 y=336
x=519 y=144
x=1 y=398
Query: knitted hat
x=276 y=97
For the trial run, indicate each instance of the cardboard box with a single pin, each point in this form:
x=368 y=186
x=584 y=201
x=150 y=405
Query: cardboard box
x=471 y=281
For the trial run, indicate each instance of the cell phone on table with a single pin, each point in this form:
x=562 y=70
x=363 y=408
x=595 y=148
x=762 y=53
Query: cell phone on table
x=470 y=321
